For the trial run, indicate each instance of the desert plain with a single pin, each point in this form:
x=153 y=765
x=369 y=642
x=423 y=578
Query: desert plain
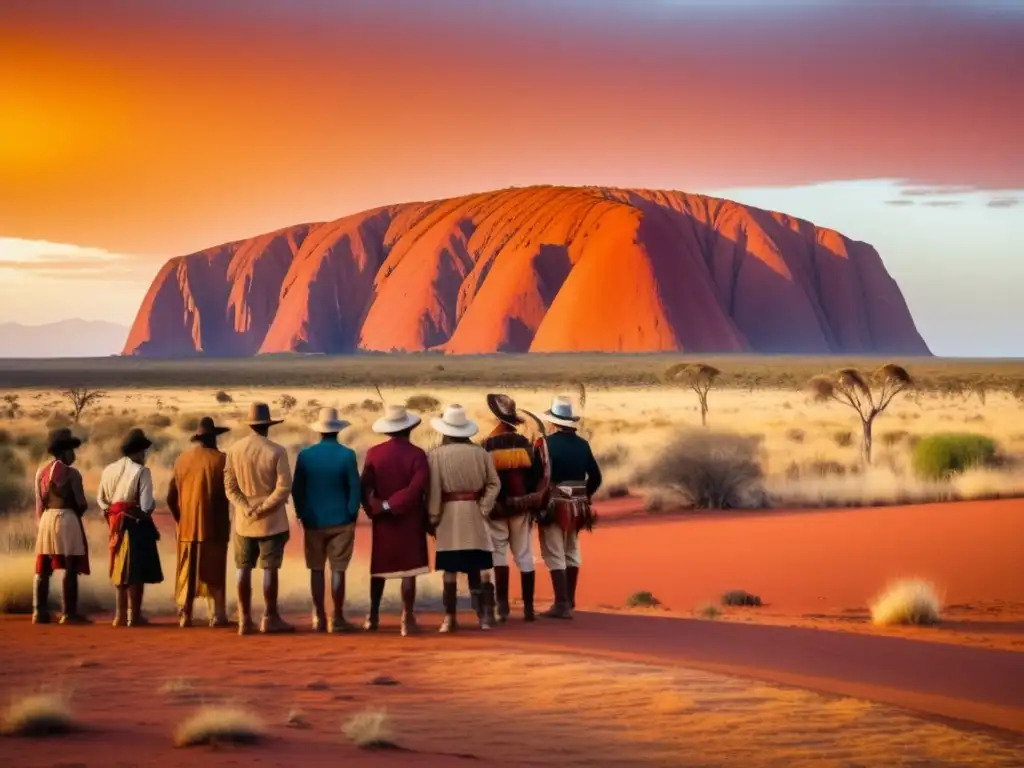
x=655 y=668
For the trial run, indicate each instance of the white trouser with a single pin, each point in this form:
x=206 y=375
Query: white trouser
x=514 y=531
x=560 y=549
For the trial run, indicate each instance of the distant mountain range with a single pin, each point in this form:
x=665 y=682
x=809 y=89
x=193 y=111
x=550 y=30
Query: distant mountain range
x=65 y=338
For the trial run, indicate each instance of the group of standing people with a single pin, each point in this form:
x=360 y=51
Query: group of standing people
x=479 y=501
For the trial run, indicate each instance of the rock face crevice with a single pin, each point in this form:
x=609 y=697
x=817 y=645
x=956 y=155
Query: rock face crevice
x=542 y=269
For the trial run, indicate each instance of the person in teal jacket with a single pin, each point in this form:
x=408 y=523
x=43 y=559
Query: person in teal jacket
x=327 y=497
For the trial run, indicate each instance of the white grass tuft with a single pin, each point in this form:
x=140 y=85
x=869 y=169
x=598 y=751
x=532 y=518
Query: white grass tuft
x=41 y=714
x=219 y=725
x=370 y=729
x=908 y=601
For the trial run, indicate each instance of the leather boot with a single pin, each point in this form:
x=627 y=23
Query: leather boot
x=449 y=597
x=272 y=622
x=487 y=617
x=409 y=625
x=318 y=589
x=572 y=576
x=40 y=600
x=528 y=581
x=372 y=622
x=135 y=617
x=69 y=599
x=338 y=624
x=561 y=608
x=245 y=623
x=120 y=606
x=501 y=592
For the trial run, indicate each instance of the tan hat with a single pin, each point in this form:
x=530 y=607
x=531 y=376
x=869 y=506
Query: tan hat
x=259 y=416
x=328 y=422
x=395 y=419
x=454 y=423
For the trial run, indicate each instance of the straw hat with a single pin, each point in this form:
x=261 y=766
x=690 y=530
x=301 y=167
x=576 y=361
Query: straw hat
x=560 y=413
x=135 y=442
x=328 y=422
x=504 y=408
x=454 y=423
x=62 y=440
x=259 y=416
x=395 y=419
x=207 y=428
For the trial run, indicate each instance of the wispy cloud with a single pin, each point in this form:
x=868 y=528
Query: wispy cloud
x=1003 y=202
x=66 y=261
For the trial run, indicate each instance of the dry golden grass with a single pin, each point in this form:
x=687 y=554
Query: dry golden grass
x=38 y=715
x=909 y=601
x=219 y=725
x=370 y=729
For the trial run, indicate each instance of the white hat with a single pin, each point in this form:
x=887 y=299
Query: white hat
x=560 y=413
x=454 y=423
x=395 y=419
x=328 y=422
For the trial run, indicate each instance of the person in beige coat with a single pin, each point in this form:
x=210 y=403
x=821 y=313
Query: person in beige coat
x=464 y=486
x=258 y=481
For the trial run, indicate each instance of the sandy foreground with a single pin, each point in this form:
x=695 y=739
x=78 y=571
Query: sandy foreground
x=804 y=680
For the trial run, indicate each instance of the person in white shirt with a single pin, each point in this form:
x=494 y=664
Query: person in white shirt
x=126 y=498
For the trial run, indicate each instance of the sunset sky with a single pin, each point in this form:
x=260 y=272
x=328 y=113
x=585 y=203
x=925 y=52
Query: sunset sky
x=134 y=131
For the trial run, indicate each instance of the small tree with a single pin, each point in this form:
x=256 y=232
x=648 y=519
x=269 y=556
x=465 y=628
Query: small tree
x=81 y=398
x=287 y=402
x=698 y=377
x=869 y=395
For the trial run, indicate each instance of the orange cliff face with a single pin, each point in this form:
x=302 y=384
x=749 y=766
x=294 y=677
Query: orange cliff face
x=543 y=269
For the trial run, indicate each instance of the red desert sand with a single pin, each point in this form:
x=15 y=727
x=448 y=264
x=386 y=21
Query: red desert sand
x=607 y=689
x=535 y=270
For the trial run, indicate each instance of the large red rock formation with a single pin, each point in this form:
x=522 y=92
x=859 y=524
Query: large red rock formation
x=544 y=269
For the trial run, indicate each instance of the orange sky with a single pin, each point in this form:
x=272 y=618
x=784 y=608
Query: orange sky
x=164 y=130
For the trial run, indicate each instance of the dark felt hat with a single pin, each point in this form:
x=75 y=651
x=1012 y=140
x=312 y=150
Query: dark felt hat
x=259 y=416
x=135 y=442
x=504 y=407
x=207 y=429
x=62 y=440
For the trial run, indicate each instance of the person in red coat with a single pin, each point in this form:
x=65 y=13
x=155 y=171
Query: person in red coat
x=395 y=480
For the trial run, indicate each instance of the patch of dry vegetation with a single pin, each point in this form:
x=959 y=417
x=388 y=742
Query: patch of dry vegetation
x=370 y=729
x=39 y=715
x=908 y=601
x=220 y=725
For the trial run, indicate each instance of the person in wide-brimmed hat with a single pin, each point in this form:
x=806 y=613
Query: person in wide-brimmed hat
x=325 y=490
x=463 y=488
x=60 y=543
x=574 y=477
x=199 y=505
x=511 y=520
x=258 y=481
x=126 y=497
x=394 y=483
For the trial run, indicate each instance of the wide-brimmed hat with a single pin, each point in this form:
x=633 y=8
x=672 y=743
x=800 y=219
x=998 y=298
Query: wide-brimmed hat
x=328 y=422
x=61 y=440
x=259 y=416
x=504 y=407
x=135 y=442
x=454 y=423
x=560 y=413
x=396 y=418
x=207 y=428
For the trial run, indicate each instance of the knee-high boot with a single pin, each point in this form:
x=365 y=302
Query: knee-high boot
x=409 y=625
x=245 y=624
x=561 y=608
x=527 y=582
x=272 y=622
x=501 y=592
x=40 y=599
x=572 y=577
x=69 y=600
x=449 y=596
x=487 y=618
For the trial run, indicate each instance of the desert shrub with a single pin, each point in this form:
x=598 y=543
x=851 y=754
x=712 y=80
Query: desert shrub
x=15 y=490
x=223 y=397
x=422 y=403
x=219 y=725
x=843 y=438
x=890 y=439
x=740 y=598
x=41 y=714
x=189 y=422
x=33 y=443
x=796 y=435
x=708 y=611
x=712 y=470
x=939 y=456
x=110 y=429
x=157 y=421
x=287 y=402
x=6 y=438
x=58 y=420
x=370 y=729
x=910 y=601
x=642 y=600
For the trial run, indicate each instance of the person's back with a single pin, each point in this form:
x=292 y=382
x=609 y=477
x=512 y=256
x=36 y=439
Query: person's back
x=326 y=485
x=257 y=477
x=199 y=494
x=572 y=460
